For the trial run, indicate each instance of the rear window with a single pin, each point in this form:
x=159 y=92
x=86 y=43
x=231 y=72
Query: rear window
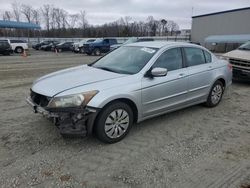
x=208 y=56
x=17 y=41
x=194 y=56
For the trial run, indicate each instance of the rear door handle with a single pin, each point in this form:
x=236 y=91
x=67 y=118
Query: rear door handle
x=181 y=75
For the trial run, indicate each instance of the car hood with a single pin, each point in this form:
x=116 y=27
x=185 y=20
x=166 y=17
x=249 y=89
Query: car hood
x=238 y=54
x=60 y=81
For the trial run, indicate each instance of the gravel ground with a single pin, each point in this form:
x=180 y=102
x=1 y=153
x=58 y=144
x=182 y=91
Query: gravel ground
x=194 y=147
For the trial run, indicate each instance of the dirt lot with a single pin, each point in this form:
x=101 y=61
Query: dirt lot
x=194 y=147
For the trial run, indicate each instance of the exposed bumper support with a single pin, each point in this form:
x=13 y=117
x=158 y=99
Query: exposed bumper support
x=70 y=121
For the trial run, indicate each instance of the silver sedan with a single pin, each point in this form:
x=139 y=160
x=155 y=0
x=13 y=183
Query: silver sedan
x=133 y=83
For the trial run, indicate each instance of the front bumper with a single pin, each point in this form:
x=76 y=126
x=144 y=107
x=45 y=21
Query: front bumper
x=69 y=121
x=241 y=73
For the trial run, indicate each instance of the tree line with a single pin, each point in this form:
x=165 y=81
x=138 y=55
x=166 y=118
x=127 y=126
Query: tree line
x=57 y=22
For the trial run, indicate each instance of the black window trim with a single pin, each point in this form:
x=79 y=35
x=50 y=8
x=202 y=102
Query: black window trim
x=205 y=56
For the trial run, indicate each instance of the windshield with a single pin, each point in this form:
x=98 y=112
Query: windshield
x=126 y=59
x=245 y=46
x=131 y=40
x=98 y=40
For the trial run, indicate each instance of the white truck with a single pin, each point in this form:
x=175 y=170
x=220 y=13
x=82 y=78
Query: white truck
x=240 y=61
x=17 y=46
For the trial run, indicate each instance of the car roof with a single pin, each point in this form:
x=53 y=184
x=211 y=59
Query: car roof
x=161 y=44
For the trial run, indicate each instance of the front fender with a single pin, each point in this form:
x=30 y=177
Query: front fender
x=102 y=99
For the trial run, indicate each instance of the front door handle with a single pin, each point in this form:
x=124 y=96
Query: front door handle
x=181 y=75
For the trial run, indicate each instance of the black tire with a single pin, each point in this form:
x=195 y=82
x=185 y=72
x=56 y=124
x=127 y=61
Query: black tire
x=210 y=102
x=81 y=50
x=88 y=53
x=19 y=50
x=97 y=52
x=105 y=114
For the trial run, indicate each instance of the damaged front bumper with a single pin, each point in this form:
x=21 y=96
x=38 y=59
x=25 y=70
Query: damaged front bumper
x=70 y=121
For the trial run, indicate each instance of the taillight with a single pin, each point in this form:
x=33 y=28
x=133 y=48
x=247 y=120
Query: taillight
x=230 y=67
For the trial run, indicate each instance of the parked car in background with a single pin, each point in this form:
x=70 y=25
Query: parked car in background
x=78 y=47
x=5 y=48
x=240 y=61
x=131 y=40
x=99 y=46
x=17 y=46
x=64 y=46
x=45 y=42
x=50 y=46
x=131 y=84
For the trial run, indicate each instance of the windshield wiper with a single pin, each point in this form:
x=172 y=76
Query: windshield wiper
x=112 y=70
x=106 y=69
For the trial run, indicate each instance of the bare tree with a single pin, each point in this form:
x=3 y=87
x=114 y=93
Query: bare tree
x=171 y=27
x=7 y=16
x=82 y=19
x=152 y=25
x=64 y=18
x=46 y=15
x=36 y=16
x=16 y=10
x=27 y=12
x=73 y=20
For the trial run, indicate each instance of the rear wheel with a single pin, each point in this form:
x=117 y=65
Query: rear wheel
x=215 y=94
x=19 y=50
x=114 y=122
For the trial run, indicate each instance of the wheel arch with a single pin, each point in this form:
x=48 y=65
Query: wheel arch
x=19 y=47
x=127 y=101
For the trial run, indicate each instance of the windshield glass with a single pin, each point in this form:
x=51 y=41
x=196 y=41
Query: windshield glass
x=126 y=60
x=245 y=46
x=98 y=40
x=131 y=40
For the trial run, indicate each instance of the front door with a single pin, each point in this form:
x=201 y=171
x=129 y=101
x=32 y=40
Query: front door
x=161 y=94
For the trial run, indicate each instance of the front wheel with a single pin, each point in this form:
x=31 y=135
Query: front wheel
x=114 y=122
x=215 y=95
x=81 y=50
x=97 y=52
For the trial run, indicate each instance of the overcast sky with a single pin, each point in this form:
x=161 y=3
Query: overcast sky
x=101 y=11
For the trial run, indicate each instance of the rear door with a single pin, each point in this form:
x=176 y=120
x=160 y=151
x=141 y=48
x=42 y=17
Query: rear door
x=160 y=94
x=200 y=70
x=106 y=45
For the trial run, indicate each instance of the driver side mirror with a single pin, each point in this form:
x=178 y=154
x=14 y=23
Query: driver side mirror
x=157 y=72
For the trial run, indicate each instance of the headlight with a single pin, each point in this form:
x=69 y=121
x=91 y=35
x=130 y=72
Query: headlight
x=76 y=100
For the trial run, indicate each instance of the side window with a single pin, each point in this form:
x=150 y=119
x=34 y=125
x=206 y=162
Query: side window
x=170 y=59
x=106 y=41
x=194 y=56
x=207 y=56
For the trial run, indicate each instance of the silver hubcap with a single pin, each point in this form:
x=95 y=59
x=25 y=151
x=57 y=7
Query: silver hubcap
x=216 y=94
x=116 y=123
x=98 y=52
